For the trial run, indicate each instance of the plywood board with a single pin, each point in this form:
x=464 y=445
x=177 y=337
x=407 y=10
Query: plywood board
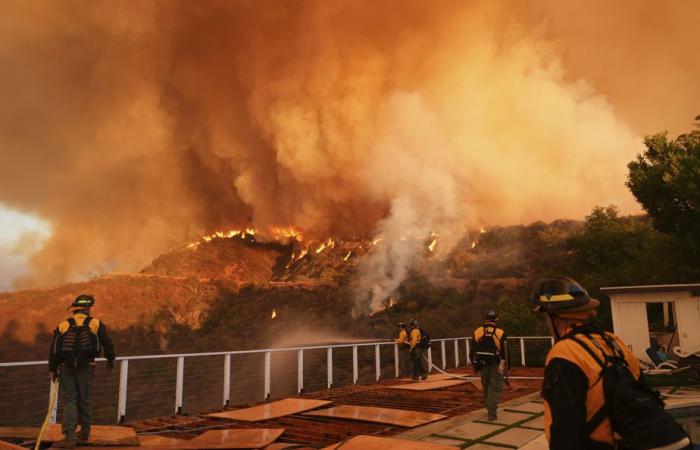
x=7 y=446
x=155 y=440
x=382 y=443
x=477 y=384
x=283 y=445
x=272 y=410
x=100 y=434
x=436 y=377
x=235 y=438
x=388 y=416
x=428 y=385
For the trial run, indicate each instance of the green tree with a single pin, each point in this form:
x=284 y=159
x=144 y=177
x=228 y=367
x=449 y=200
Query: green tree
x=665 y=179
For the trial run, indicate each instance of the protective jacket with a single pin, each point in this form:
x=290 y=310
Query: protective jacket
x=96 y=327
x=573 y=391
x=403 y=337
x=415 y=338
x=492 y=353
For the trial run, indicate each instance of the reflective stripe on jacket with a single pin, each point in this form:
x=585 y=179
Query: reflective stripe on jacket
x=497 y=335
x=568 y=350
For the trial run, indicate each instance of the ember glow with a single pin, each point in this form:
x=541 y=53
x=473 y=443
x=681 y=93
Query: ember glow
x=173 y=119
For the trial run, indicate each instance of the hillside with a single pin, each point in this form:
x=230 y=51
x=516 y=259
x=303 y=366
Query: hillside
x=220 y=294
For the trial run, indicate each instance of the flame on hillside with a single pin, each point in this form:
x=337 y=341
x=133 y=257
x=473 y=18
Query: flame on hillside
x=274 y=314
x=287 y=233
x=329 y=243
x=431 y=246
x=347 y=256
x=482 y=229
x=474 y=244
x=390 y=304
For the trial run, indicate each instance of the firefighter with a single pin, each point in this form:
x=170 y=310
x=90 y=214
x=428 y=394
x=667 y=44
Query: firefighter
x=404 y=349
x=418 y=343
x=489 y=354
x=77 y=341
x=576 y=409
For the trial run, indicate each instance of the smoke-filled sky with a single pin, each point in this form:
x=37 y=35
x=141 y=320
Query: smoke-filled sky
x=129 y=128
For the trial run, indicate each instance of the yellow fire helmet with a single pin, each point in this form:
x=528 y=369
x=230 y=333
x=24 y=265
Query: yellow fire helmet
x=561 y=294
x=82 y=301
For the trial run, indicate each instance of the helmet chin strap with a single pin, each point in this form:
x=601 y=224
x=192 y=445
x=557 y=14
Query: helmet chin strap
x=552 y=327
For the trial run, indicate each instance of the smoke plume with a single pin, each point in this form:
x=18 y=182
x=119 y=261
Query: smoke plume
x=134 y=127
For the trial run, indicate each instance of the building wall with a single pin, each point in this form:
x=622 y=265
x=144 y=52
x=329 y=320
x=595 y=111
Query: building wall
x=631 y=324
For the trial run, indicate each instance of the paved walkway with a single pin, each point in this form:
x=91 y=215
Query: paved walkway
x=520 y=425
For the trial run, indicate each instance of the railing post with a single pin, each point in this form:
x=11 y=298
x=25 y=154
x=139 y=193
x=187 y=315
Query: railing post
x=430 y=359
x=300 y=371
x=227 y=380
x=456 y=342
x=268 y=367
x=522 y=352
x=466 y=341
x=396 y=360
x=443 y=355
x=329 y=366
x=377 y=362
x=355 y=375
x=123 y=379
x=54 y=407
x=179 y=383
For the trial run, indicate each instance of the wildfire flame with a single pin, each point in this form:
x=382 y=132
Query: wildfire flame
x=347 y=256
x=303 y=253
x=392 y=302
x=482 y=229
x=432 y=245
x=287 y=233
x=377 y=241
x=274 y=314
x=474 y=244
x=329 y=243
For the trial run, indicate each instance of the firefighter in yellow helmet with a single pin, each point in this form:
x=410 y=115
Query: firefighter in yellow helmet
x=402 y=341
x=592 y=378
x=77 y=341
x=489 y=355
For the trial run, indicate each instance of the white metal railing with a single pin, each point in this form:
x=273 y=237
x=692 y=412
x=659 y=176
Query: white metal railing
x=267 y=354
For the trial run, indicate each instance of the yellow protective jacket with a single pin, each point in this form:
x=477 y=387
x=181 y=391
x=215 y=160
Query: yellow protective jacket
x=403 y=337
x=415 y=338
x=96 y=327
x=499 y=340
x=570 y=351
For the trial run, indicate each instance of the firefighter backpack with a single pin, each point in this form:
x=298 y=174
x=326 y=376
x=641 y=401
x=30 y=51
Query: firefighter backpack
x=424 y=339
x=636 y=411
x=486 y=351
x=78 y=344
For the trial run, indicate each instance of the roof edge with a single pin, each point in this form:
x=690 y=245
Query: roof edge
x=651 y=288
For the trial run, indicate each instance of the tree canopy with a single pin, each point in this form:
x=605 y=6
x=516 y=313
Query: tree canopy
x=665 y=180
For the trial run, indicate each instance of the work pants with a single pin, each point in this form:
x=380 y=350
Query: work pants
x=420 y=365
x=492 y=382
x=76 y=388
x=404 y=360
